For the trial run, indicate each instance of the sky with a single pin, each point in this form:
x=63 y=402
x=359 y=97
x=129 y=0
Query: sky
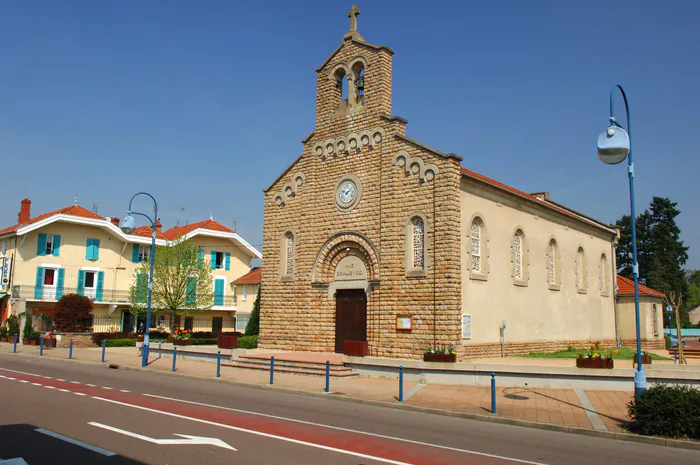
x=204 y=103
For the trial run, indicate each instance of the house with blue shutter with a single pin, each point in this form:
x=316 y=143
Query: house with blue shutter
x=74 y=250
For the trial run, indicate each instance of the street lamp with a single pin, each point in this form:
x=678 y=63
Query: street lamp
x=614 y=145
x=128 y=227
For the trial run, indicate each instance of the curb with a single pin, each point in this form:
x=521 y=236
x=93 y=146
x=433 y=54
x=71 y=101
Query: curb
x=628 y=437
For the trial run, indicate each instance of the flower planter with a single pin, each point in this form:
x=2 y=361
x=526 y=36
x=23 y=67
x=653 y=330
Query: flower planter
x=139 y=338
x=442 y=358
x=33 y=342
x=228 y=342
x=594 y=363
x=25 y=341
x=50 y=343
x=4 y=339
x=646 y=359
x=181 y=342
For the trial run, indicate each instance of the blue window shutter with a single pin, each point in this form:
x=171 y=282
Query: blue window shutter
x=218 y=292
x=135 y=254
x=213 y=260
x=59 y=283
x=88 y=250
x=228 y=261
x=201 y=257
x=56 y=246
x=95 y=249
x=39 y=284
x=41 y=245
x=191 y=292
x=81 y=282
x=100 y=284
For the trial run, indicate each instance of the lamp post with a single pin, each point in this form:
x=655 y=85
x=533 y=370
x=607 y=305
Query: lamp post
x=614 y=145
x=128 y=228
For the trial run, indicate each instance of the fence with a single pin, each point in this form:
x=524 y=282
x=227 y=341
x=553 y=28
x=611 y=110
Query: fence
x=52 y=293
x=685 y=332
x=161 y=321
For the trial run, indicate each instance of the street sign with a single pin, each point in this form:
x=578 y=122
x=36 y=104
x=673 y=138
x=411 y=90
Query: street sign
x=5 y=267
x=191 y=440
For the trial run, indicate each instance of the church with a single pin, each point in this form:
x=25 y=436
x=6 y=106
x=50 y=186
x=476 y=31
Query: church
x=375 y=244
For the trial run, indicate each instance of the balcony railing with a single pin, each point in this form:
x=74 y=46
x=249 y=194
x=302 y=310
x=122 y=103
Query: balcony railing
x=52 y=293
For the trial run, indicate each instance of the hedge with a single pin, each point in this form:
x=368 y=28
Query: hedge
x=130 y=342
x=667 y=410
x=248 y=342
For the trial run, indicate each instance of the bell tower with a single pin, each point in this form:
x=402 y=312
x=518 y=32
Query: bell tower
x=354 y=83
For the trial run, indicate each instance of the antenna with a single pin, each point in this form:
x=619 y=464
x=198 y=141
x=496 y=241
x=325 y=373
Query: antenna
x=95 y=205
x=75 y=199
x=234 y=225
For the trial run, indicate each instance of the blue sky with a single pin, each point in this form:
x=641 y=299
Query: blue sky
x=204 y=103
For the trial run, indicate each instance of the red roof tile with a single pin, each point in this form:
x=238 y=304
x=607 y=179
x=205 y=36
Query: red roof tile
x=146 y=231
x=625 y=286
x=544 y=203
x=73 y=210
x=253 y=277
x=173 y=233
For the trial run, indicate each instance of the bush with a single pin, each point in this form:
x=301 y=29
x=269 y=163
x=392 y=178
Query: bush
x=204 y=341
x=131 y=342
x=667 y=338
x=667 y=410
x=253 y=326
x=73 y=314
x=27 y=331
x=97 y=338
x=248 y=342
x=12 y=325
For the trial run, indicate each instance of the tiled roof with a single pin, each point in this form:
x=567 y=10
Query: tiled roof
x=253 y=277
x=146 y=231
x=544 y=203
x=625 y=286
x=73 y=210
x=173 y=233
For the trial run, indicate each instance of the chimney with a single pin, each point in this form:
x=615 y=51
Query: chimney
x=159 y=226
x=541 y=195
x=115 y=221
x=24 y=211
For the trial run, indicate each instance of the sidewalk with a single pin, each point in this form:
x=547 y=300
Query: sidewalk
x=591 y=410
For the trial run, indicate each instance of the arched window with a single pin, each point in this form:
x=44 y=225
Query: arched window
x=476 y=230
x=519 y=259
x=477 y=248
x=553 y=265
x=603 y=274
x=415 y=246
x=287 y=255
x=580 y=270
x=358 y=88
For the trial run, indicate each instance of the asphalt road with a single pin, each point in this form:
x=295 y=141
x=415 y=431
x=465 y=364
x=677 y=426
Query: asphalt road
x=61 y=412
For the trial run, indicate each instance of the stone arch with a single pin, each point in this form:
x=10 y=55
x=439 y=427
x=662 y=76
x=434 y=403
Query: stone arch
x=340 y=246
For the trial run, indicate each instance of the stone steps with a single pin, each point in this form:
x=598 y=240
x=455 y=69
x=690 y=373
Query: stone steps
x=688 y=353
x=291 y=366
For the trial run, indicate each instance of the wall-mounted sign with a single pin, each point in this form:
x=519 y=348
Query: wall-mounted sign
x=5 y=273
x=404 y=322
x=350 y=268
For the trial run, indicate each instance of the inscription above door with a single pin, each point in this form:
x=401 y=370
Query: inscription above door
x=350 y=268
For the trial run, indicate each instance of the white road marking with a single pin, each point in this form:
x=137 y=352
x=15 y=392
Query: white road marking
x=191 y=440
x=50 y=387
x=23 y=381
x=10 y=377
x=338 y=428
x=82 y=444
x=104 y=387
x=59 y=379
x=91 y=385
x=310 y=444
x=124 y=390
x=79 y=393
x=64 y=390
x=37 y=384
x=75 y=382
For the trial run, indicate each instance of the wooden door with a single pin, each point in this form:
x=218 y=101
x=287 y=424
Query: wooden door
x=350 y=317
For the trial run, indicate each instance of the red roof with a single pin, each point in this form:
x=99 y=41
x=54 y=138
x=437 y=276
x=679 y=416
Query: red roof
x=512 y=190
x=173 y=233
x=253 y=277
x=73 y=210
x=146 y=231
x=625 y=286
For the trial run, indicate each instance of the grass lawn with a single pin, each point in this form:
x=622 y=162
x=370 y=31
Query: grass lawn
x=622 y=354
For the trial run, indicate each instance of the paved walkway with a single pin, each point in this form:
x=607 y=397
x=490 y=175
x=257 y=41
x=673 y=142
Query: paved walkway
x=600 y=410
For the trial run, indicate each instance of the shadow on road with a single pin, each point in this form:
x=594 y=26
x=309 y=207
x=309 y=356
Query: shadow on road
x=25 y=442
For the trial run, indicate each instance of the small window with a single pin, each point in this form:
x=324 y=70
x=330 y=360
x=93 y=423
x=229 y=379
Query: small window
x=49 y=277
x=580 y=270
x=161 y=321
x=476 y=245
x=219 y=260
x=287 y=253
x=519 y=259
x=418 y=243
x=90 y=280
x=466 y=326
x=242 y=322
x=50 y=242
x=244 y=293
x=603 y=275
x=144 y=253
x=655 y=319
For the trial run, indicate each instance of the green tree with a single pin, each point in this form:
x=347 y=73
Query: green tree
x=253 y=326
x=182 y=281
x=73 y=314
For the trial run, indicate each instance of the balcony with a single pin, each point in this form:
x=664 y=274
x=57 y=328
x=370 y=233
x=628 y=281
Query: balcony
x=224 y=301
x=52 y=293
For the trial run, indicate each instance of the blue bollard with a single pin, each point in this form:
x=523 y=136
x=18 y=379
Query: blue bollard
x=174 y=357
x=70 y=349
x=16 y=338
x=493 y=393
x=328 y=376
x=401 y=383
x=218 y=365
x=41 y=346
x=675 y=356
x=272 y=369
x=104 y=346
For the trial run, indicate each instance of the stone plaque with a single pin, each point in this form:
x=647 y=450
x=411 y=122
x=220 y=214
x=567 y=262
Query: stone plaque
x=350 y=268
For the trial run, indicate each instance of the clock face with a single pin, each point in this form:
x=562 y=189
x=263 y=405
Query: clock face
x=347 y=191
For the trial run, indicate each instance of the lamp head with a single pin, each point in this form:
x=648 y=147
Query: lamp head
x=127 y=226
x=613 y=145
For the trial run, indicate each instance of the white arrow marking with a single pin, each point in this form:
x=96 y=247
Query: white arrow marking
x=192 y=440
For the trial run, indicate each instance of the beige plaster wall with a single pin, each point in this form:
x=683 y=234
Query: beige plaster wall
x=533 y=311
x=627 y=317
x=245 y=306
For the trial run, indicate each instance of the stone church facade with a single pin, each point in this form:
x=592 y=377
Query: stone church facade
x=374 y=242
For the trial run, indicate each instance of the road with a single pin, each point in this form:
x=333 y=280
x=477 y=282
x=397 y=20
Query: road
x=73 y=413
